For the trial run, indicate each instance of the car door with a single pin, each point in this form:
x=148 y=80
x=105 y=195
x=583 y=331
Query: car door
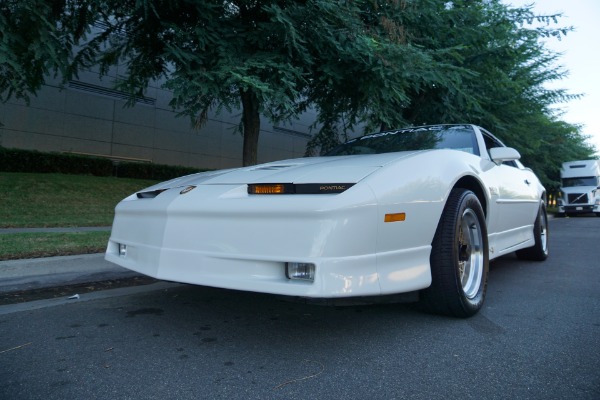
x=514 y=201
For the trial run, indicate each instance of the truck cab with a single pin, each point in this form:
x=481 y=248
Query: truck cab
x=580 y=188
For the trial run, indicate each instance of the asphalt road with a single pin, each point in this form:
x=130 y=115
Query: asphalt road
x=538 y=337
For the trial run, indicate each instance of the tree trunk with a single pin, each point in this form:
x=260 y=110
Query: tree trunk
x=251 y=123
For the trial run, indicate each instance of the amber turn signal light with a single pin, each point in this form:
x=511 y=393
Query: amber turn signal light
x=398 y=217
x=270 y=188
x=298 y=188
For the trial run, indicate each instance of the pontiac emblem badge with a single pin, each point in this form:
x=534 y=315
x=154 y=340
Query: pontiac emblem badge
x=187 y=189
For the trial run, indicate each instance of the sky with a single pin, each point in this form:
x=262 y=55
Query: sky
x=580 y=56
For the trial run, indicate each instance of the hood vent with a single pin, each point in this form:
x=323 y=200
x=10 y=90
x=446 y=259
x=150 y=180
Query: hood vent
x=272 y=168
x=149 y=195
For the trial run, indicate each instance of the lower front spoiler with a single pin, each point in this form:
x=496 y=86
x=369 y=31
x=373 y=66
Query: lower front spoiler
x=335 y=277
x=407 y=297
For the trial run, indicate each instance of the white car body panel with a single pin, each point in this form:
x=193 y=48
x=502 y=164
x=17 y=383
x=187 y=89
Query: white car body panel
x=219 y=235
x=515 y=207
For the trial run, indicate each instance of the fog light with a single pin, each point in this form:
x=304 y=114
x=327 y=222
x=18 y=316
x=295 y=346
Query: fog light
x=122 y=250
x=300 y=271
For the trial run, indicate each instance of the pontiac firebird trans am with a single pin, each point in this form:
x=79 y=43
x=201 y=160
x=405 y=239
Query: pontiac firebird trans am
x=418 y=210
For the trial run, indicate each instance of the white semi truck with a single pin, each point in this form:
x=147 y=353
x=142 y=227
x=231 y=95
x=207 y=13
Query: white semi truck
x=580 y=188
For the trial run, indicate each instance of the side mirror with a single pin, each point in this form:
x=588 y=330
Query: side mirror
x=501 y=154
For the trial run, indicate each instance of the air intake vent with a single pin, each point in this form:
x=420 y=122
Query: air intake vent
x=272 y=167
x=150 y=195
x=115 y=94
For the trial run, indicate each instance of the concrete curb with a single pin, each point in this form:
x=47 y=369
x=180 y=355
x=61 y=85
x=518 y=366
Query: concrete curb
x=103 y=294
x=36 y=273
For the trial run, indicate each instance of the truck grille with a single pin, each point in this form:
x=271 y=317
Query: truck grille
x=578 y=198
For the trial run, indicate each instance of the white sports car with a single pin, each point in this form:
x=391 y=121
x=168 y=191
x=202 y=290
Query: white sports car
x=419 y=210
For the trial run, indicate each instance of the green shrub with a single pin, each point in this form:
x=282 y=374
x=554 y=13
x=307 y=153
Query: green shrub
x=17 y=160
x=156 y=172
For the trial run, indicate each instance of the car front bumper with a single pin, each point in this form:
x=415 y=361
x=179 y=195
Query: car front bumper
x=219 y=236
x=579 y=209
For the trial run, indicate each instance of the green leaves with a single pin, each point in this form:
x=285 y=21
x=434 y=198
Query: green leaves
x=370 y=64
x=37 y=38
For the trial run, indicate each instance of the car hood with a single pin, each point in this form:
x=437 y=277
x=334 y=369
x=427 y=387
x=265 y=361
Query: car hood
x=338 y=169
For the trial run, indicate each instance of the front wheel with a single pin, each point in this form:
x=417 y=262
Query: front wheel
x=539 y=250
x=459 y=258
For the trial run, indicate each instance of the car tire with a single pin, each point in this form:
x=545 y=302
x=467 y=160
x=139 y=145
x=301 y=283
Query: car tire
x=539 y=251
x=459 y=258
x=597 y=214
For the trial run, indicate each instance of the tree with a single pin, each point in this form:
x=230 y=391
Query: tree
x=374 y=94
x=488 y=67
x=36 y=40
x=497 y=78
x=212 y=55
x=273 y=57
x=375 y=63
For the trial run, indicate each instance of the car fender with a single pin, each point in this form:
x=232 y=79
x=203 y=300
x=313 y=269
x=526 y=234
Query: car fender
x=421 y=194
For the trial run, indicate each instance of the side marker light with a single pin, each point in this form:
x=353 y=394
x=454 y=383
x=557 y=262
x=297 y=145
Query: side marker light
x=398 y=217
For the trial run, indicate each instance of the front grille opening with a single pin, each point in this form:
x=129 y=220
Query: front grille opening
x=578 y=198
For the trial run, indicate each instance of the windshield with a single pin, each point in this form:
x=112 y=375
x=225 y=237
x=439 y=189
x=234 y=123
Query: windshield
x=457 y=137
x=581 y=181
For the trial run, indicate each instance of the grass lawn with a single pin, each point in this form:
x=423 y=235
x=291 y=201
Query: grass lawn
x=33 y=245
x=56 y=200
